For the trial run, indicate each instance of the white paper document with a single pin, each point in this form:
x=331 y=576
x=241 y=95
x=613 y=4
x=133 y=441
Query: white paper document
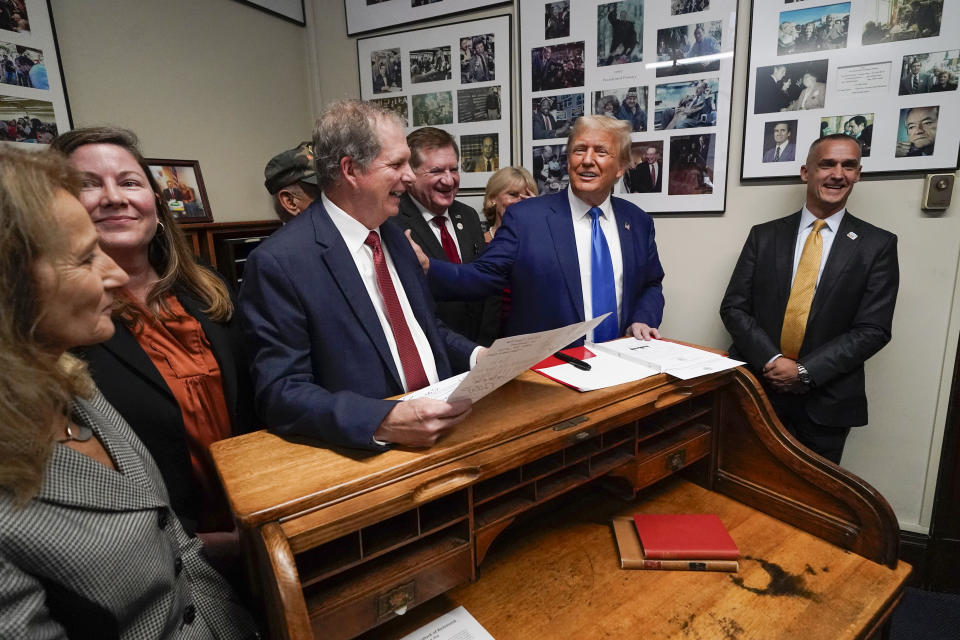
x=605 y=371
x=456 y=625
x=505 y=360
x=678 y=360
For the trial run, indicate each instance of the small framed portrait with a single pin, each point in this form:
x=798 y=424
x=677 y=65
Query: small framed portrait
x=779 y=140
x=385 y=71
x=557 y=67
x=553 y=116
x=480 y=153
x=917 y=132
x=645 y=174
x=626 y=103
x=687 y=105
x=691 y=164
x=477 y=59
x=550 y=168
x=858 y=126
x=556 y=19
x=692 y=48
x=620 y=32
x=181 y=187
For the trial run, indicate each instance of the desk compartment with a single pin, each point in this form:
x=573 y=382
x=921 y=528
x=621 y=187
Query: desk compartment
x=659 y=457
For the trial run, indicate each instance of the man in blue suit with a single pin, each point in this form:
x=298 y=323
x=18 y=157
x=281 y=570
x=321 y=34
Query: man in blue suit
x=572 y=255
x=335 y=309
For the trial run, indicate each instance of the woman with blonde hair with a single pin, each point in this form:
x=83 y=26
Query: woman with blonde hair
x=175 y=368
x=506 y=186
x=87 y=544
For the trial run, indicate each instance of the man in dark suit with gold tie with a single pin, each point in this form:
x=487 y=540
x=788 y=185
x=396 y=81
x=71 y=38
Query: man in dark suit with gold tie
x=811 y=299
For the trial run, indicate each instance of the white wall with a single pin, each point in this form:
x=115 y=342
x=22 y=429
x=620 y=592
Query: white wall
x=212 y=80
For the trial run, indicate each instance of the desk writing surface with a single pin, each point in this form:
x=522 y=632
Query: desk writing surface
x=557 y=576
x=268 y=477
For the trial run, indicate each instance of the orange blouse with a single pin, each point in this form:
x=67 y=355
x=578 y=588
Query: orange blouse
x=179 y=350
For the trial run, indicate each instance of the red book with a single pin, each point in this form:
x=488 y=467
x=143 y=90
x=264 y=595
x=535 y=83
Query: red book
x=580 y=353
x=685 y=536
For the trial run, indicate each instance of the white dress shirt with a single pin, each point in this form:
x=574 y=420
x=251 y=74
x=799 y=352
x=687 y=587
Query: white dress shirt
x=827 y=234
x=430 y=215
x=354 y=235
x=582 y=232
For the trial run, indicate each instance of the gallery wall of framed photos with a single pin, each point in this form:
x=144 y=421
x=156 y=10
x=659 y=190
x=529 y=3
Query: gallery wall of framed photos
x=456 y=77
x=666 y=66
x=33 y=102
x=882 y=71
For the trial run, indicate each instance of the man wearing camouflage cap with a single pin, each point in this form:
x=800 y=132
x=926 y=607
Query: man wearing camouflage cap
x=292 y=181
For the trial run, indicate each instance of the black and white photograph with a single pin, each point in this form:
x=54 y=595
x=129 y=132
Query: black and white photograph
x=181 y=186
x=689 y=49
x=26 y=120
x=681 y=7
x=619 y=32
x=686 y=105
x=791 y=87
x=397 y=104
x=917 y=131
x=480 y=153
x=553 y=116
x=420 y=3
x=858 y=126
x=779 y=141
x=691 y=164
x=550 y=168
x=895 y=20
x=478 y=104
x=385 y=71
x=557 y=67
x=14 y=17
x=813 y=29
x=22 y=66
x=369 y=15
x=626 y=103
x=432 y=109
x=477 y=59
x=645 y=174
x=929 y=72
x=556 y=20
x=430 y=65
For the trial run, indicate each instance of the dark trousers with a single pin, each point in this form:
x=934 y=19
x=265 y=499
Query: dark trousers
x=823 y=439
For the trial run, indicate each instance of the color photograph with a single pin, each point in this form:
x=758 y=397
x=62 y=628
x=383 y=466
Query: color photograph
x=557 y=67
x=779 y=141
x=813 y=29
x=858 y=126
x=685 y=105
x=22 y=66
x=645 y=174
x=791 y=87
x=480 y=153
x=895 y=20
x=26 y=120
x=14 y=17
x=554 y=115
x=431 y=109
x=627 y=103
x=550 y=168
x=917 y=131
x=929 y=72
x=181 y=186
x=680 y=7
x=619 y=32
x=385 y=71
x=556 y=20
x=689 y=49
x=691 y=164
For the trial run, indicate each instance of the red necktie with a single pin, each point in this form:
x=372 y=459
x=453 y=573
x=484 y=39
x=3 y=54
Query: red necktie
x=406 y=348
x=449 y=246
x=653 y=174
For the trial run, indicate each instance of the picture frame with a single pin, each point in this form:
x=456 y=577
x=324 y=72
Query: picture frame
x=33 y=100
x=846 y=66
x=181 y=187
x=455 y=77
x=369 y=15
x=664 y=66
x=289 y=10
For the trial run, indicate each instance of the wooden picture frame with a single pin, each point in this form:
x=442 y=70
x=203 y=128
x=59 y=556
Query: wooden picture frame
x=181 y=187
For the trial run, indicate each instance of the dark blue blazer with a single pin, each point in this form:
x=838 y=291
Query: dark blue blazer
x=534 y=253
x=320 y=362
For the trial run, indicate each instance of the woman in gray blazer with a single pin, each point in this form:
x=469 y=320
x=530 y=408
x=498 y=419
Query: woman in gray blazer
x=89 y=547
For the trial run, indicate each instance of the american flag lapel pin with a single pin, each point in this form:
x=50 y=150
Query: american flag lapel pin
x=852 y=235
x=626 y=225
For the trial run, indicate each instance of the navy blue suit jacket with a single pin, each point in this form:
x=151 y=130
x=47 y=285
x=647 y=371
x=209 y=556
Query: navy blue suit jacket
x=320 y=361
x=535 y=254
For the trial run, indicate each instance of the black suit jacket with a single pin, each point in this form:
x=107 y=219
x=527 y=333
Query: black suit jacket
x=850 y=316
x=128 y=380
x=637 y=180
x=477 y=321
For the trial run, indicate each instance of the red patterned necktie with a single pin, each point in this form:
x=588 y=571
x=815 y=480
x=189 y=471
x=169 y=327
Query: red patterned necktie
x=653 y=174
x=413 y=371
x=449 y=246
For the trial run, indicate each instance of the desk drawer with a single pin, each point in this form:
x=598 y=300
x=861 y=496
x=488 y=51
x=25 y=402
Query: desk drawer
x=663 y=456
x=377 y=604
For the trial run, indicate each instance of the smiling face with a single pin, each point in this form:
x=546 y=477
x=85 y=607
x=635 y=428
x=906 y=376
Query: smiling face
x=487 y=147
x=514 y=192
x=377 y=190
x=75 y=286
x=650 y=155
x=118 y=197
x=594 y=165
x=921 y=126
x=832 y=168
x=780 y=133
x=437 y=179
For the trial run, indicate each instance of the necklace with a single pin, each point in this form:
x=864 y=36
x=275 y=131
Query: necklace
x=77 y=433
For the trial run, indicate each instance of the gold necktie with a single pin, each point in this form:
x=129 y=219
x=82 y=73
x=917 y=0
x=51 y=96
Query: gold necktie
x=801 y=295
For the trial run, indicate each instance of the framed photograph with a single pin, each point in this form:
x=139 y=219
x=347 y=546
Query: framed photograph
x=289 y=10
x=369 y=15
x=664 y=66
x=879 y=71
x=33 y=102
x=456 y=77
x=181 y=187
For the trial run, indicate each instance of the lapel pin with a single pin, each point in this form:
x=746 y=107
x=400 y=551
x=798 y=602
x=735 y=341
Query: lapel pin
x=626 y=225
x=852 y=235
x=459 y=226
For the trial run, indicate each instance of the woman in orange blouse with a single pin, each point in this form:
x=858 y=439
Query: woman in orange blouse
x=175 y=368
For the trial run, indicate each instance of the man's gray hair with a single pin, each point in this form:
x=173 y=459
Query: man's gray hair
x=619 y=128
x=348 y=129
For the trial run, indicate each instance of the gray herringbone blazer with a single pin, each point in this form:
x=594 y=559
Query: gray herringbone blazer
x=99 y=554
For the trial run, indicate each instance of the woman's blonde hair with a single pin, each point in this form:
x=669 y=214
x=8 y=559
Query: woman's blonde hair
x=506 y=178
x=169 y=252
x=36 y=387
